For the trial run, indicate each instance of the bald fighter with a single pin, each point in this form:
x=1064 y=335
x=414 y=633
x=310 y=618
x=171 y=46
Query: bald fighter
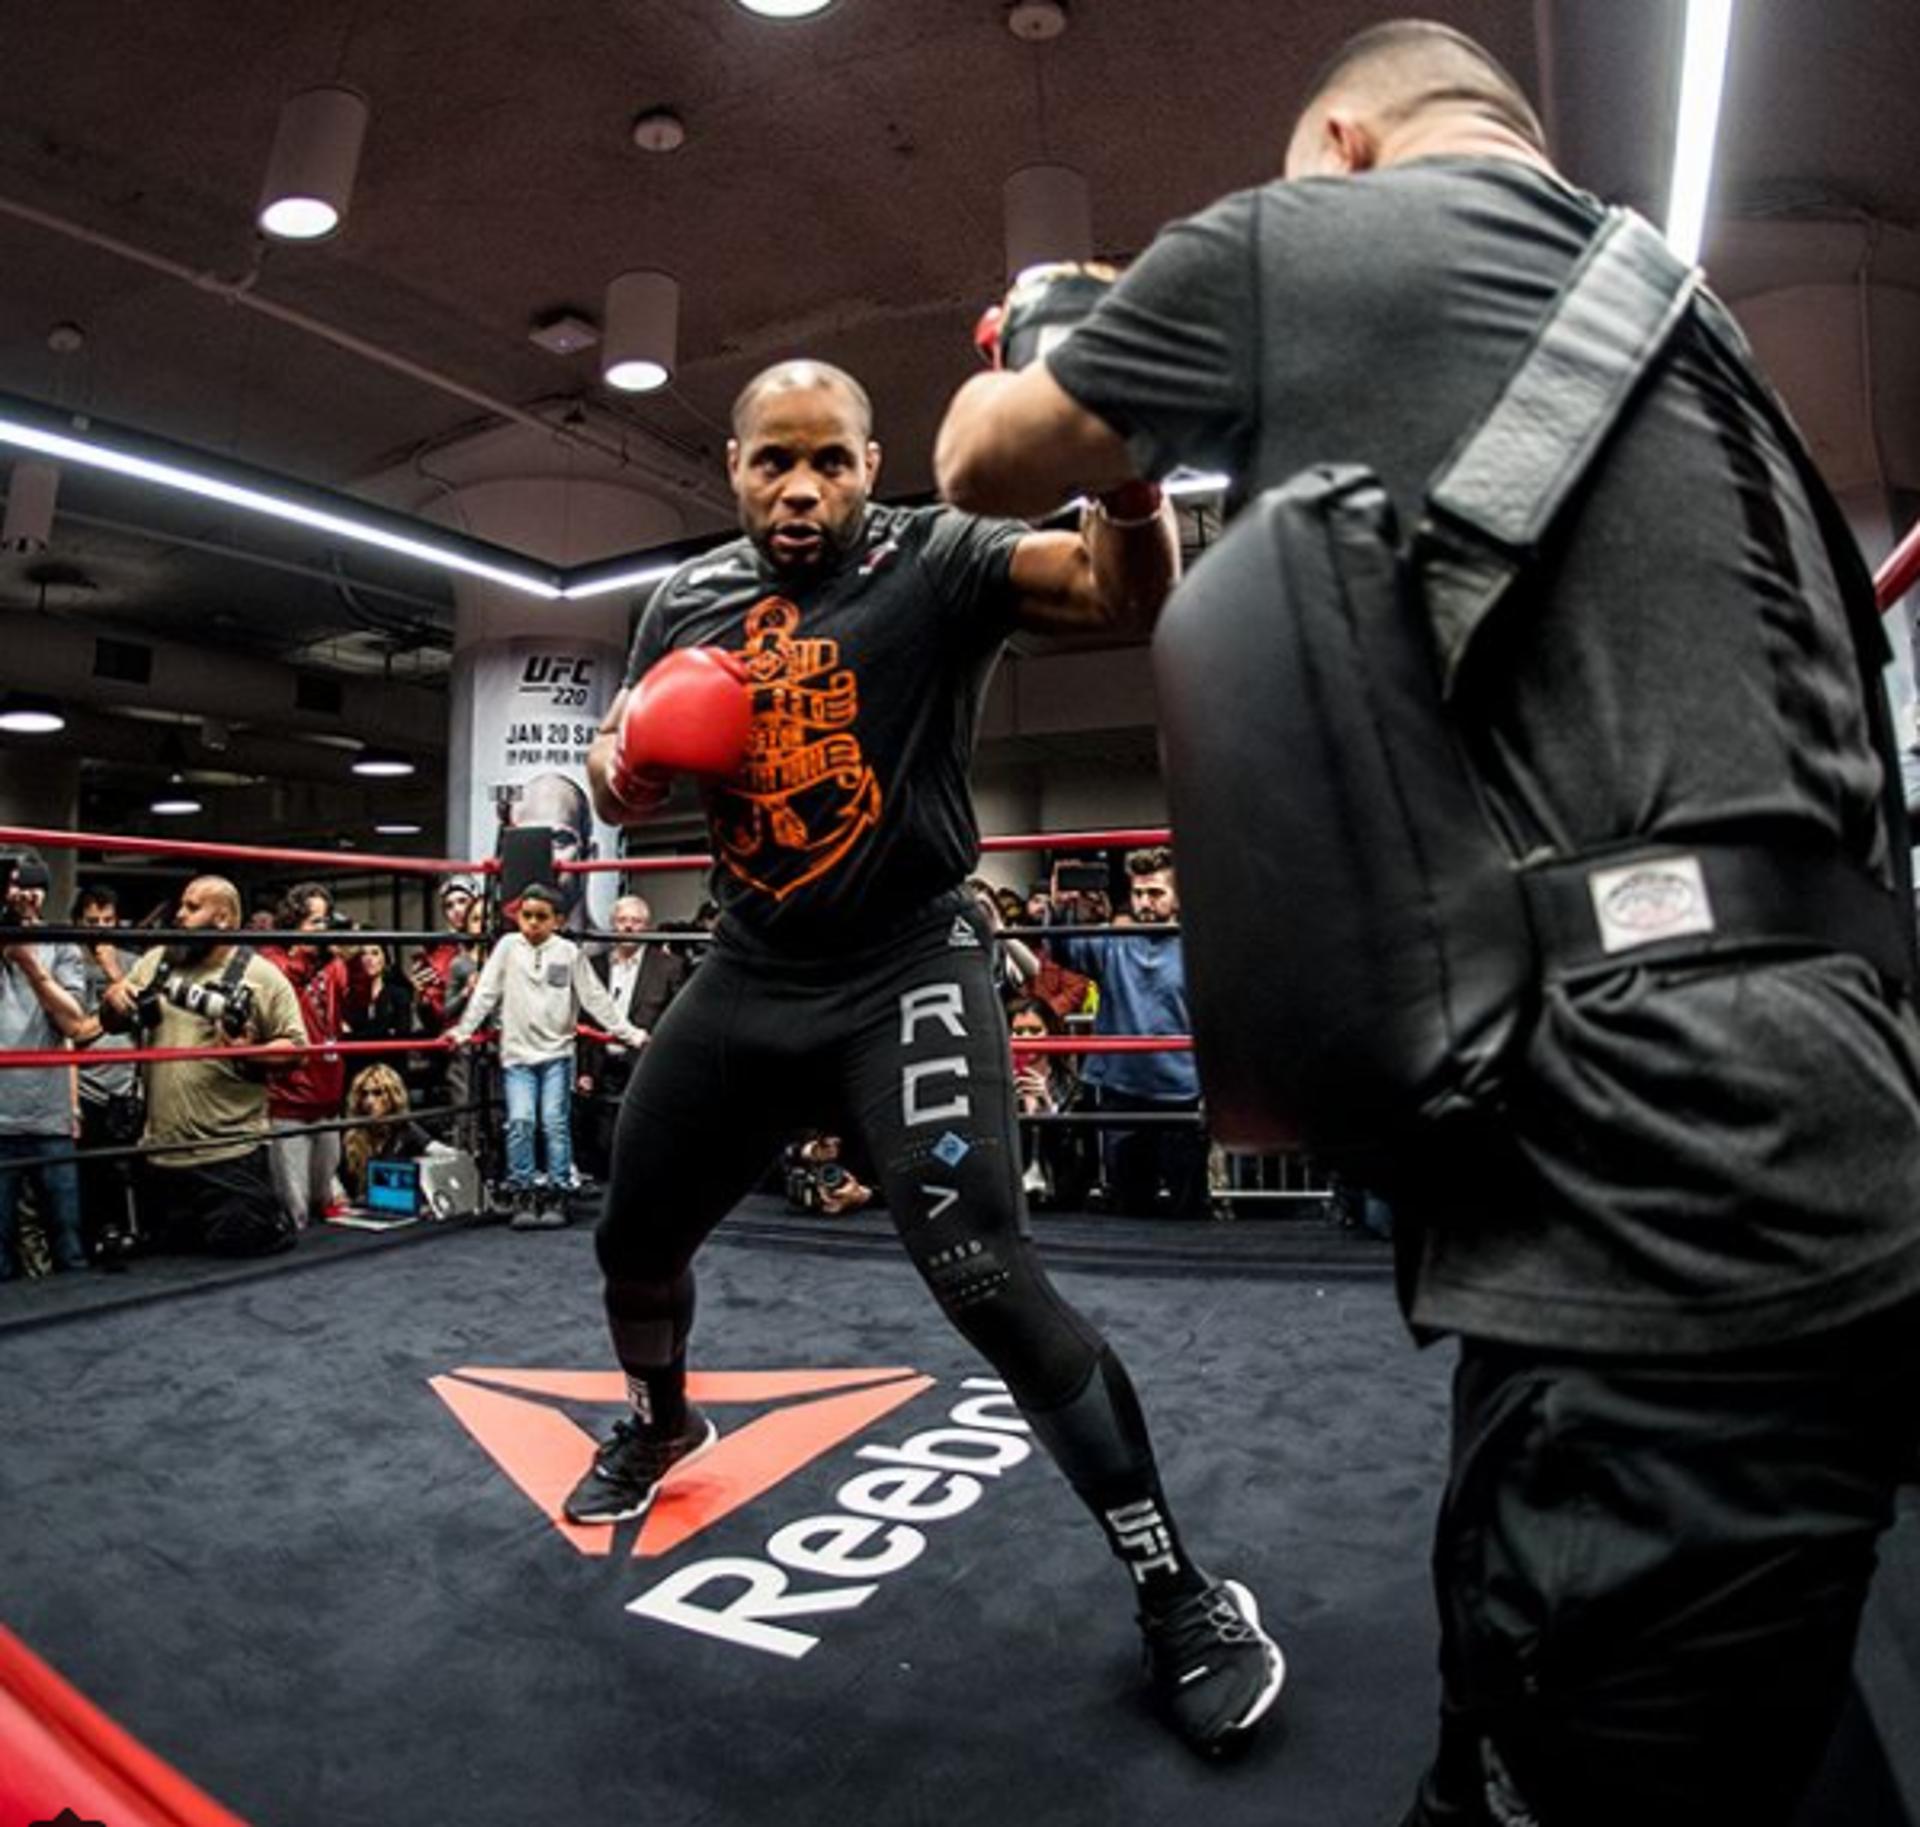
x=1685 y=1278
x=822 y=678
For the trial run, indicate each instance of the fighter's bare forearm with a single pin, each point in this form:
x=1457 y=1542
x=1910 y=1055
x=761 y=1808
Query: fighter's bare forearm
x=1133 y=542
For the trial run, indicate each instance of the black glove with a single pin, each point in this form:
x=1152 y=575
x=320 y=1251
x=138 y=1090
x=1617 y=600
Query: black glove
x=1043 y=306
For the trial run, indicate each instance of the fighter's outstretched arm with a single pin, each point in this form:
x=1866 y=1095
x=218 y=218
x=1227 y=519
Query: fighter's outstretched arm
x=1111 y=576
x=1016 y=442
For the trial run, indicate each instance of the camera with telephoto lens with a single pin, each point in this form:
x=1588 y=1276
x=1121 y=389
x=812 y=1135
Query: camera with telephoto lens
x=229 y=1006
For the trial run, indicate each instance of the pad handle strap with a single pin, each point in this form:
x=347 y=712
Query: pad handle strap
x=1495 y=500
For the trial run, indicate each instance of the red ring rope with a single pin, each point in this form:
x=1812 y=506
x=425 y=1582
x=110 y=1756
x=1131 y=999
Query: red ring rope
x=82 y=1056
x=242 y=853
x=86 y=1056
x=1145 y=839
x=1899 y=571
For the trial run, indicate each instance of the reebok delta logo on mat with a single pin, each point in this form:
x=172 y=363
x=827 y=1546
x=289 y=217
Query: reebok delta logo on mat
x=756 y=1601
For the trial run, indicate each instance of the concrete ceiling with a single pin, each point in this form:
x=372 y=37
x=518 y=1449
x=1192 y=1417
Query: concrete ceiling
x=839 y=194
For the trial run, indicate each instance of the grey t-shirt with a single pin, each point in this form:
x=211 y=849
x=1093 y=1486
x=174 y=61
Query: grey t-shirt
x=101 y=1075
x=852 y=810
x=37 y=1100
x=1697 y=1159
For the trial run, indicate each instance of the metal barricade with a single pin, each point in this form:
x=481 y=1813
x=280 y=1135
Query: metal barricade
x=1258 y=1180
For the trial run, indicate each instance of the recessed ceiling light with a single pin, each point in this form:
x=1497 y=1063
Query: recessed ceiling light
x=659 y=130
x=300 y=219
x=563 y=333
x=382 y=764
x=636 y=377
x=1037 y=20
x=785 y=9
x=175 y=800
x=396 y=830
x=22 y=714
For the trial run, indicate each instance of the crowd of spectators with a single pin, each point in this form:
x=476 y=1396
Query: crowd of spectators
x=241 y=1156
x=1102 y=983
x=107 y=1157
x=1126 y=977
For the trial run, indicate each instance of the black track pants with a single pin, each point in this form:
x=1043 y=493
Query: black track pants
x=1651 y=1575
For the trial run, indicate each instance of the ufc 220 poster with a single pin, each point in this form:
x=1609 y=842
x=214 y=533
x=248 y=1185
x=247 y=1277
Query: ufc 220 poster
x=536 y=706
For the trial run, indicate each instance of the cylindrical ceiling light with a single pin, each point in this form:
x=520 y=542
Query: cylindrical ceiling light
x=32 y=489
x=1048 y=217
x=310 y=173
x=640 y=331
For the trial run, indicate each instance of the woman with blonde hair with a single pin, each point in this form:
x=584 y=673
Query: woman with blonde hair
x=378 y=1097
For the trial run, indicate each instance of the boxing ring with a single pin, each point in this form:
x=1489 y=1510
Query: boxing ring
x=283 y=1547
x=325 y=1580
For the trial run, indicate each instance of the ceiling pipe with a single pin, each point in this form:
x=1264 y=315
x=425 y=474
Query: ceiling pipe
x=658 y=464
x=59 y=659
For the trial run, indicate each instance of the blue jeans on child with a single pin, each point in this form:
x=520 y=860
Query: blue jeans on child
x=540 y=1094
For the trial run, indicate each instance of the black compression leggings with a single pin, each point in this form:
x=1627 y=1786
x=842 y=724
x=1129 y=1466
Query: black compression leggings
x=909 y=1044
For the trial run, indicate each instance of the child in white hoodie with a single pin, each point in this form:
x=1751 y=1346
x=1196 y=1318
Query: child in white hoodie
x=540 y=981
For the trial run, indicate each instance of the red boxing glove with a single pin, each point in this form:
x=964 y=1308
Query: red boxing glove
x=986 y=334
x=689 y=714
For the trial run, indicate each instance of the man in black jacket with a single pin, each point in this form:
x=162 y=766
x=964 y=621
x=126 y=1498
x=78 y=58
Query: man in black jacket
x=643 y=979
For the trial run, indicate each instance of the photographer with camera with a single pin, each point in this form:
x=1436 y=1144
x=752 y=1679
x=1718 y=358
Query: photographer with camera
x=208 y=1187
x=818 y=1181
x=110 y=1106
x=41 y=987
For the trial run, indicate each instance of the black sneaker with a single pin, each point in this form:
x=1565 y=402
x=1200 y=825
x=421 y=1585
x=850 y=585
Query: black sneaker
x=627 y=1470
x=546 y=1211
x=1213 y=1669
x=523 y=1211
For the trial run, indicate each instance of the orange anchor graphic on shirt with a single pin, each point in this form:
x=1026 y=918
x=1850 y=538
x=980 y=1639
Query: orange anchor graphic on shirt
x=805 y=795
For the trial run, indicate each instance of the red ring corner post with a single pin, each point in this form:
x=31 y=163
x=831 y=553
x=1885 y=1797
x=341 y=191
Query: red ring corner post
x=59 y=1752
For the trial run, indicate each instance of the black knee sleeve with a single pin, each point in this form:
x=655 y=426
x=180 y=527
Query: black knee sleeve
x=650 y=1320
x=1098 y=1436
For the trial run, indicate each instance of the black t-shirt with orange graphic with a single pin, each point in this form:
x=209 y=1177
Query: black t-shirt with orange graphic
x=852 y=809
